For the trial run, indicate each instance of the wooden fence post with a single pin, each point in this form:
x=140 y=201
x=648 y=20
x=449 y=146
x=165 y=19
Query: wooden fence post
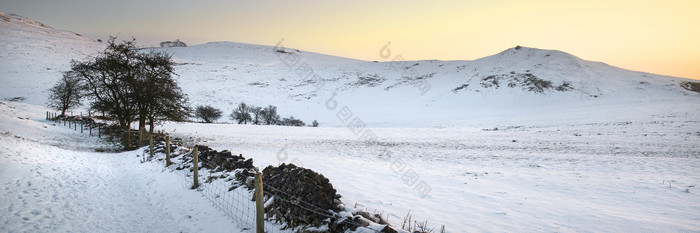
x=167 y=151
x=196 y=168
x=81 y=125
x=259 y=204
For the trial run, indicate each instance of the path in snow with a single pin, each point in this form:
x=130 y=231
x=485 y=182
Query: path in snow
x=51 y=189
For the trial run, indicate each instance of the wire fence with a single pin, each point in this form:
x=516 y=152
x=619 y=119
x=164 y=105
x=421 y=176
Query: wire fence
x=85 y=122
x=222 y=190
x=234 y=202
x=233 y=197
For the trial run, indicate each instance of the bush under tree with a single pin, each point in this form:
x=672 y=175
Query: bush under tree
x=207 y=113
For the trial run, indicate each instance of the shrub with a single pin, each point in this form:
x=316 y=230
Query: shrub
x=691 y=86
x=207 y=113
x=536 y=84
x=242 y=114
x=566 y=86
x=291 y=121
x=460 y=88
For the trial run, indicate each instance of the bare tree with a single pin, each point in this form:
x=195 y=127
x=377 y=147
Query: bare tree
x=256 y=111
x=66 y=93
x=241 y=114
x=109 y=82
x=130 y=85
x=208 y=113
x=269 y=115
x=157 y=95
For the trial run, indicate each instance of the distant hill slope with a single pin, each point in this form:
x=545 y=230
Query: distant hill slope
x=33 y=54
x=518 y=83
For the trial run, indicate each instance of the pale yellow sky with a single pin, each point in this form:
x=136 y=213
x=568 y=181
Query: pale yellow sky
x=651 y=36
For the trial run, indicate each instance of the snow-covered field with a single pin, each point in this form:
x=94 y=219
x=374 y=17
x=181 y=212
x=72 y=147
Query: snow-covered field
x=607 y=176
x=635 y=176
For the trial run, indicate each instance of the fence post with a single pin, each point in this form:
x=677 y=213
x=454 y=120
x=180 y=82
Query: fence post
x=259 y=204
x=81 y=125
x=47 y=115
x=167 y=151
x=75 y=126
x=196 y=168
x=151 y=147
x=90 y=127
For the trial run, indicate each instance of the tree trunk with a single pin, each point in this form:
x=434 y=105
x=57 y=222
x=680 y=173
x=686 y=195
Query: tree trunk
x=142 y=118
x=150 y=124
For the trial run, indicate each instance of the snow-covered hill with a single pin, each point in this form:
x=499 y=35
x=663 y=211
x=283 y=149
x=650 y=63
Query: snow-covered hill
x=32 y=55
x=526 y=140
x=517 y=83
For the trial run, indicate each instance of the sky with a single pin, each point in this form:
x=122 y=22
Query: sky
x=659 y=37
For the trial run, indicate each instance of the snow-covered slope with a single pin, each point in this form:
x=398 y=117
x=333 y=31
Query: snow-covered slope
x=517 y=83
x=53 y=181
x=32 y=55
